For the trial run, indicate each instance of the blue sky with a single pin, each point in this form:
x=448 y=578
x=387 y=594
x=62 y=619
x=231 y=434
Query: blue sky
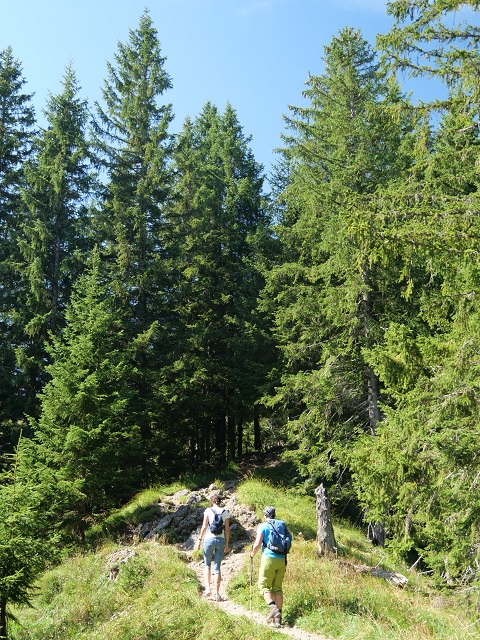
x=255 y=54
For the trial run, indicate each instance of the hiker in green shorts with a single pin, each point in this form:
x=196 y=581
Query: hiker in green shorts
x=272 y=565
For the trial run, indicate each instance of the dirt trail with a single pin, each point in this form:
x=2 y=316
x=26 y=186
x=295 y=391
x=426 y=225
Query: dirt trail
x=241 y=540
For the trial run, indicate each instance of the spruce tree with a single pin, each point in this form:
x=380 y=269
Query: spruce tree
x=132 y=136
x=86 y=433
x=131 y=130
x=27 y=529
x=219 y=219
x=54 y=236
x=330 y=296
x=17 y=120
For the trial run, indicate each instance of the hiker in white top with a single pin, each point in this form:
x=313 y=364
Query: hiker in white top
x=216 y=531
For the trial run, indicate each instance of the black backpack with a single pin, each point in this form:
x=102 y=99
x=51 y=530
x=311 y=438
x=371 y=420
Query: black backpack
x=217 y=524
x=280 y=538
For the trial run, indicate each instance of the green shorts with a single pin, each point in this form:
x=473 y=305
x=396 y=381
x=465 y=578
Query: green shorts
x=270 y=577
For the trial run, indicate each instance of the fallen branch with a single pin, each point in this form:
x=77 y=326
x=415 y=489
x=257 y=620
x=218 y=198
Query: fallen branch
x=392 y=577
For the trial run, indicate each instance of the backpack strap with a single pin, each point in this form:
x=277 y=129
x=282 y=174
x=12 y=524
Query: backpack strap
x=274 y=528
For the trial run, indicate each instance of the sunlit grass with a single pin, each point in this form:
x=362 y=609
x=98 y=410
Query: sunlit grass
x=155 y=598
x=325 y=596
x=157 y=594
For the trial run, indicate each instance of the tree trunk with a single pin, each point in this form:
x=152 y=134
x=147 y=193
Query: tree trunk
x=376 y=533
x=220 y=439
x=371 y=378
x=326 y=544
x=240 y=438
x=207 y=439
x=3 y=618
x=230 y=437
x=373 y=394
x=397 y=579
x=256 y=430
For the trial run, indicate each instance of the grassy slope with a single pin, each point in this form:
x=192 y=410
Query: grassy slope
x=321 y=595
x=157 y=594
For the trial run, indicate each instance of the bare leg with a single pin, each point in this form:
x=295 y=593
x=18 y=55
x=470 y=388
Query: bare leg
x=217 y=580
x=207 y=581
x=274 y=597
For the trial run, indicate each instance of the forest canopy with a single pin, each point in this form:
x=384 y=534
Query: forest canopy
x=162 y=308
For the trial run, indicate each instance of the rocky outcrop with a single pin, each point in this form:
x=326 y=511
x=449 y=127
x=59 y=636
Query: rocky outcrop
x=116 y=559
x=178 y=518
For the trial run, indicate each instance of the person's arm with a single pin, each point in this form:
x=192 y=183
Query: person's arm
x=258 y=542
x=227 y=533
x=204 y=528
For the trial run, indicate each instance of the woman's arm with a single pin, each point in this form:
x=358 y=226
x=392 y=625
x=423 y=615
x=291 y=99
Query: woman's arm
x=227 y=533
x=204 y=528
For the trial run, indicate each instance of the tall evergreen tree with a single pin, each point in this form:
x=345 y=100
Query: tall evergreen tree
x=219 y=219
x=86 y=434
x=335 y=286
x=54 y=230
x=17 y=119
x=419 y=476
x=132 y=136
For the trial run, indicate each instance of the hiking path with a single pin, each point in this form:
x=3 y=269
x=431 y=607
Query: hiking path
x=242 y=535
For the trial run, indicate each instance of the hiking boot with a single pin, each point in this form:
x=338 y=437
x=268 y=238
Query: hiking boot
x=274 y=611
x=277 y=619
x=218 y=598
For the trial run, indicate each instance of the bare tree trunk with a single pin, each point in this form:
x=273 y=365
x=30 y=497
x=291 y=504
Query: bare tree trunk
x=326 y=543
x=397 y=579
x=376 y=533
x=373 y=394
x=219 y=426
x=230 y=437
x=257 y=443
x=240 y=437
x=371 y=378
x=3 y=618
x=208 y=439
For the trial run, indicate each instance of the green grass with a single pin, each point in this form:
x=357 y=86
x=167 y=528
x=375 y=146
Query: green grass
x=157 y=594
x=156 y=597
x=324 y=596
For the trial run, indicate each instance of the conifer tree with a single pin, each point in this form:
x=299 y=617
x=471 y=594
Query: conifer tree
x=434 y=38
x=419 y=475
x=331 y=294
x=17 y=120
x=54 y=229
x=132 y=136
x=27 y=531
x=219 y=220
x=86 y=433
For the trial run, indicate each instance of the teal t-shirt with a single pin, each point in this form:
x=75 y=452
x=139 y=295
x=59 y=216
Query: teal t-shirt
x=265 y=528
